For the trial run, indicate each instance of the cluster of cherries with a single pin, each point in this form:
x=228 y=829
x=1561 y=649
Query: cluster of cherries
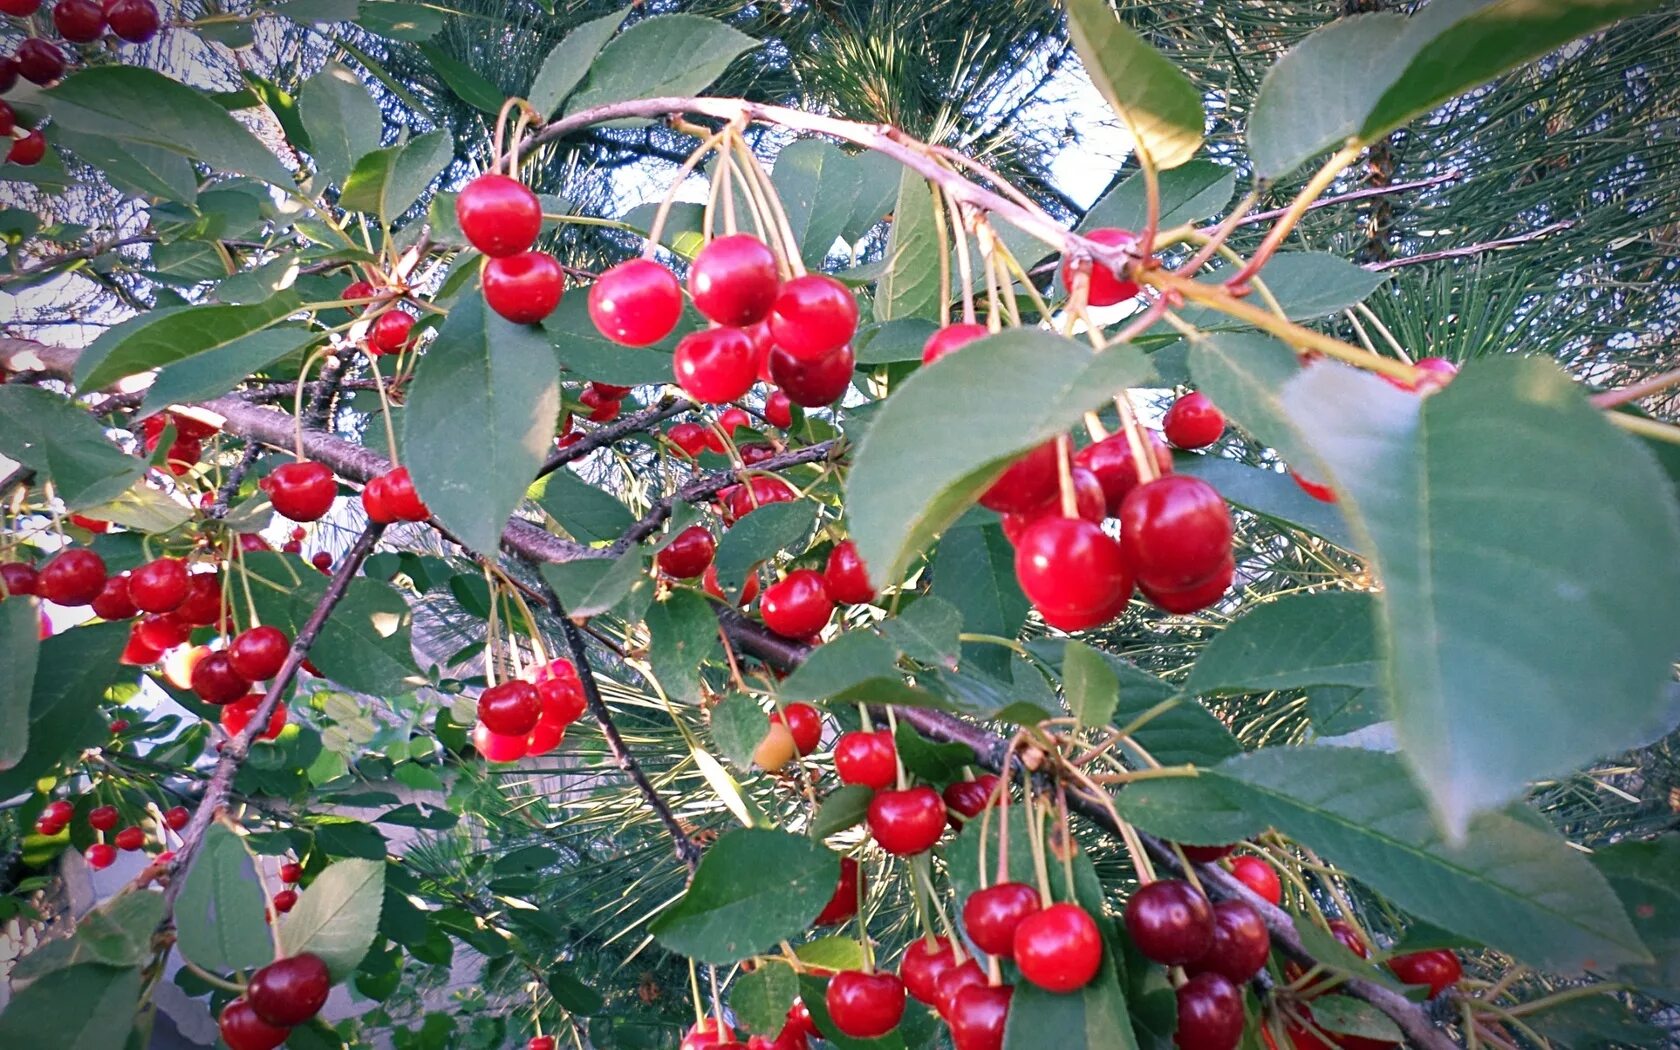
x=56 y=815
x=501 y=217
x=285 y=899
x=517 y=717
x=304 y=491
x=188 y=446
x=713 y=1033
x=282 y=995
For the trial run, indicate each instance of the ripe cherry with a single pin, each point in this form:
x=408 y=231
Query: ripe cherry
x=949 y=338
x=215 y=681
x=1240 y=942
x=541 y=1042
x=19 y=8
x=322 y=560
x=1259 y=877
x=707 y=1034
x=119 y=725
x=1349 y=937
x=162 y=632
x=524 y=288
x=1028 y=484
x=47 y=827
x=203 y=603
x=8 y=121
x=19 y=578
x=1111 y=461
x=907 y=822
x=237 y=715
x=8 y=73
x=602 y=409
x=714 y=366
x=813 y=316
x=500 y=216
x=797 y=605
x=301 y=491
x=1175 y=532
x=1088 y=497
x=39 y=61
x=136 y=653
x=511 y=708
x=130 y=839
x=636 y=303
x=758 y=491
x=610 y=391
x=816 y=381
x=28 y=150
x=58 y=811
x=1059 y=949
x=79 y=21
x=390 y=331
x=1322 y=493
x=967 y=799
x=135 y=21
x=691 y=439
x=100 y=855
x=953 y=982
x=498 y=748
x=284 y=901
x=1197 y=596
x=778 y=409
x=158 y=586
x=1106 y=287
x=978 y=1016
x=843 y=903
x=1439 y=969
x=397 y=496
x=845 y=576
x=1210 y=1013
x=865 y=1005
x=1170 y=921
x=867 y=758
x=1193 y=422
x=804 y=723
x=925 y=961
x=103 y=818
x=749 y=589
x=290 y=991
x=991 y=915
x=734 y=419
x=112 y=602
x=687 y=556
x=1074 y=574
x=176 y=818
x=733 y=280
x=74 y=576
x=242 y=1029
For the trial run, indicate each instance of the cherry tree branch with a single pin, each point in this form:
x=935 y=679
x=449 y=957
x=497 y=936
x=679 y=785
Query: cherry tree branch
x=615 y=431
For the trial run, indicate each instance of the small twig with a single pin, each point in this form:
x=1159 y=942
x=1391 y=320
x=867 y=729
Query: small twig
x=610 y=434
x=711 y=484
x=1644 y=388
x=1471 y=249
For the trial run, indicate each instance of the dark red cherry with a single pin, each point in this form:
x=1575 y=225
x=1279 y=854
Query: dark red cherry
x=709 y=1033
x=1259 y=877
x=714 y=366
x=511 y=708
x=636 y=303
x=1111 y=461
x=1210 y=1014
x=242 y=1029
x=100 y=855
x=163 y=631
x=867 y=758
x=39 y=61
x=813 y=316
x=967 y=799
x=28 y=150
x=952 y=983
x=524 y=288
x=158 y=586
x=796 y=605
x=291 y=873
x=924 y=963
x=1028 y=484
x=1088 y=498
x=112 y=603
x=1170 y=921
x=1175 y=532
x=601 y=409
x=687 y=556
x=759 y=491
x=991 y=915
x=176 y=818
x=1240 y=942
x=1206 y=854
x=103 y=818
x=8 y=121
x=215 y=681
x=135 y=21
x=978 y=1017
x=322 y=560
x=1106 y=287
x=1349 y=937
x=290 y=991
x=130 y=839
x=258 y=653
x=843 y=903
x=1197 y=596
x=301 y=491
x=390 y=331
x=949 y=338
x=19 y=8
x=845 y=576
x=8 y=73
x=813 y=382
x=499 y=215
x=73 y=576
x=804 y=722
x=19 y=578
x=1059 y=949
x=1073 y=573
x=778 y=409
x=1193 y=422
x=865 y=1005
x=203 y=604
x=79 y=21
x=284 y=901
x=733 y=280
x=907 y=822
x=1439 y=969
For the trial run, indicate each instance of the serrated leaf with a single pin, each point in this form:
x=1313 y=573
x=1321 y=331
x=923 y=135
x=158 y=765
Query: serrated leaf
x=61 y=443
x=337 y=915
x=666 y=55
x=134 y=167
x=1194 y=811
x=1159 y=105
x=1190 y=192
x=387 y=182
x=761 y=998
x=219 y=917
x=738 y=725
x=72 y=670
x=845 y=807
x=20 y=644
x=761 y=535
x=684 y=634
x=219 y=370
x=1642 y=874
x=888 y=342
x=468 y=84
x=342 y=120
x=569 y=62
x=1307 y=285
x=854 y=658
x=927 y=631
x=974 y=569
x=105 y=999
x=820 y=188
x=1293 y=642
x=168 y=336
x=1089 y=684
x=909 y=286
x=754 y=888
x=589 y=513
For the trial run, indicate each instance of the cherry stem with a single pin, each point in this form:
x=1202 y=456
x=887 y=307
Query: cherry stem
x=1315 y=186
x=1064 y=476
x=1035 y=845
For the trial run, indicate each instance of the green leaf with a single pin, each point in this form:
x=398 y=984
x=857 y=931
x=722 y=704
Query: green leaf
x=134 y=167
x=388 y=181
x=813 y=991
x=1268 y=493
x=939 y=764
x=118 y=933
x=1642 y=874
x=72 y=670
x=366 y=644
x=755 y=887
x=1158 y=104
x=831 y=953
x=852 y=659
x=1295 y=641
x=1090 y=685
x=761 y=535
x=1307 y=285
x=666 y=55
x=337 y=916
x=566 y=65
x=684 y=634
x=1345 y=1015
x=1526 y=550
x=217 y=371
x=495 y=380
x=821 y=189
x=1594 y=1023
x=1093 y=1018
x=1244 y=373
x=761 y=999
x=589 y=513
x=1514 y=884
x=845 y=807
x=953 y=426
x=1193 y=191
x=342 y=119
x=133 y=104
x=20 y=642
x=164 y=337
x=909 y=287
x=573 y=994
x=926 y=631
x=63 y=444
x=104 y=998
x=1339 y=709
x=466 y=82
x=892 y=341
x=594 y=585
x=397 y=21
x=583 y=352
x=974 y=570
x=1194 y=811
x=317 y=12
x=738 y=726
x=219 y=918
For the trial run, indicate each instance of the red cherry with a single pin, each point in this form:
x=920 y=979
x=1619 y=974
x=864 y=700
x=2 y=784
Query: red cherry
x=291 y=872
x=845 y=576
x=732 y=419
x=541 y=1042
x=19 y=8
x=1349 y=937
x=749 y=590
x=74 y=576
x=992 y=914
x=759 y=491
x=778 y=409
x=511 y=708
x=158 y=586
x=1175 y=532
x=103 y=818
x=58 y=811
x=215 y=681
x=130 y=839
x=401 y=498
x=610 y=391
x=602 y=409
x=39 y=61
x=969 y=798
x=182 y=453
x=290 y=991
x=690 y=438
x=1210 y=1013
x=796 y=605
x=714 y=366
x=1111 y=461
x=237 y=715
x=162 y=632
x=1106 y=287
x=1240 y=942
x=176 y=818
x=907 y=822
x=135 y=21
x=1074 y=574
x=636 y=303
x=119 y=725
x=389 y=332
x=1322 y=493
x=804 y=723
x=733 y=280
x=814 y=315
x=1170 y=921
x=301 y=491
x=499 y=215
x=709 y=1033
x=924 y=963
x=843 y=903
x=8 y=121
x=1197 y=596
x=100 y=855
x=689 y=554
x=8 y=74
x=242 y=1029
x=49 y=828
x=978 y=1017
x=252 y=543
x=19 y=578
x=136 y=653
x=1259 y=877
x=1439 y=969
x=1088 y=497
x=953 y=982
x=813 y=382
x=524 y=288
x=284 y=901
x=498 y=748
x=865 y=1005
x=1206 y=854
x=203 y=604
x=563 y=701
x=322 y=560
x=357 y=290
x=1030 y=482
x=112 y=602
x=1433 y=373
x=1059 y=949
x=28 y=150
x=79 y=21
x=867 y=758
x=949 y=338
x=191 y=429
x=1193 y=422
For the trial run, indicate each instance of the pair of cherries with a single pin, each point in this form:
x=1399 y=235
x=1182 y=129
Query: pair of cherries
x=517 y=718
x=501 y=217
x=903 y=821
x=800 y=603
x=795 y=730
x=282 y=995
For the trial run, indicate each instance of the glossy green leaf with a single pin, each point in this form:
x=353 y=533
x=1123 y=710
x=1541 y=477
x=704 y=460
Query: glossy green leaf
x=685 y=635
x=1642 y=874
x=399 y=21
x=72 y=670
x=1244 y=373
x=909 y=286
x=219 y=370
x=569 y=62
x=1089 y=684
x=104 y=998
x=738 y=724
x=1193 y=191
x=219 y=917
x=337 y=915
x=164 y=337
x=892 y=341
x=467 y=83
x=1093 y=1018
x=831 y=953
x=64 y=445
x=844 y=807
x=20 y=642
x=366 y=644
x=1335 y=710
x=1295 y=641
x=755 y=888
x=1307 y=285
x=666 y=55
x=342 y=119
x=589 y=513
x=974 y=569
x=1158 y=104
x=1193 y=811
x=592 y=586
x=134 y=167
x=853 y=658
x=573 y=994
x=926 y=631
x=762 y=535
x=387 y=182
x=760 y=999
x=823 y=191
x=936 y=763
x=953 y=426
